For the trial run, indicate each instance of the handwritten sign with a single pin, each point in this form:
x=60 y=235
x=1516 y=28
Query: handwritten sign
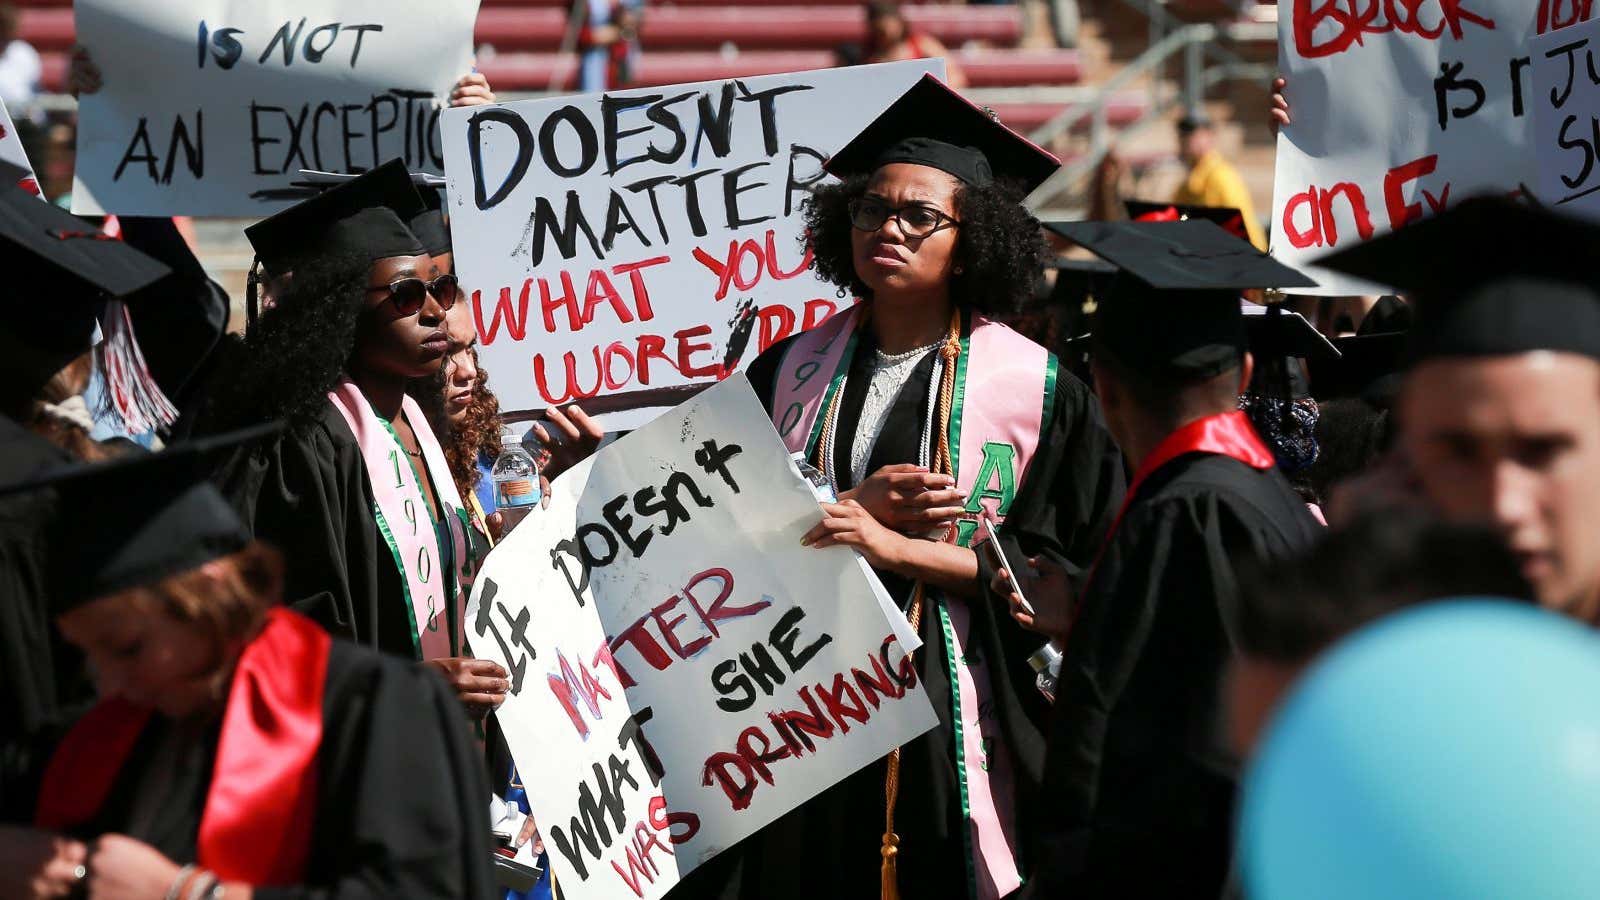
x=1400 y=109
x=645 y=241
x=683 y=670
x=12 y=151
x=1566 y=115
x=211 y=107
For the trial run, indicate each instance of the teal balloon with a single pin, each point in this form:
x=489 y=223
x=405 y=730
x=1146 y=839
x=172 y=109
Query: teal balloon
x=1451 y=751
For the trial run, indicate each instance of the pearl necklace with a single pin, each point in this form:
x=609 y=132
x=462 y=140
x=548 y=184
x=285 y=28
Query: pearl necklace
x=889 y=360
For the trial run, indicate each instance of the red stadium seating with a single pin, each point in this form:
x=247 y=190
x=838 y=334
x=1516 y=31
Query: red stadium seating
x=689 y=40
x=533 y=71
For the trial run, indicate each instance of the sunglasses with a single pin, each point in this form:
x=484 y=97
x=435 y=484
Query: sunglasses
x=409 y=294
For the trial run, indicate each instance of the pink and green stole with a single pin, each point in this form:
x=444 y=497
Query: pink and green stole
x=436 y=599
x=1004 y=393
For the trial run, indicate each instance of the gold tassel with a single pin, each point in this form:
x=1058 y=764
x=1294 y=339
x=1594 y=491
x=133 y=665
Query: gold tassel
x=889 y=888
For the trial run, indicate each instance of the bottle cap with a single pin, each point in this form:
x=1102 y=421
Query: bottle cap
x=1046 y=660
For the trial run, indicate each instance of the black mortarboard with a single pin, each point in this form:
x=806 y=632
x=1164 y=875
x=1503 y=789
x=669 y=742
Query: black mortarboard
x=1279 y=340
x=1079 y=281
x=932 y=125
x=137 y=520
x=1368 y=366
x=78 y=269
x=428 y=225
x=1231 y=220
x=365 y=215
x=1276 y=332
x=1490 y=276
x=1174 y=306
x=70 y=261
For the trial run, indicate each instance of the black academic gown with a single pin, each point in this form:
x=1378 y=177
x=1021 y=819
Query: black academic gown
x=829 y=845
x=1139 y=787
x=43 y=685
x=28 y=647
x=306 y=493
x=402 y=801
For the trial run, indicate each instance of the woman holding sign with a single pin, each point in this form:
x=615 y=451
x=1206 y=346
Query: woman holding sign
x=925 y=415
x=356 y=491
x=236 y=749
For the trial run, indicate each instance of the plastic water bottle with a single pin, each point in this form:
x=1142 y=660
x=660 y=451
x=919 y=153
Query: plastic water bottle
x=1046 y=665
x=516 y=481
x=820 y=485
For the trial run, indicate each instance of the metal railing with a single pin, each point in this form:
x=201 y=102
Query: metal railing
x=1205 y=64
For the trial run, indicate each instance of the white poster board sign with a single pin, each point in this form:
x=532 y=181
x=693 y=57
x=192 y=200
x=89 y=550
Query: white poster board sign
x=1399 y=110
x=11 y=150
x=641 y=244
x=211 y=107
x=1566 y=106
x=684 y=671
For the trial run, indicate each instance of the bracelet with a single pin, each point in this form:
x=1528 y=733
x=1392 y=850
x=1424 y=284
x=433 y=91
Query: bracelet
x=203 y=883
x=175 y=890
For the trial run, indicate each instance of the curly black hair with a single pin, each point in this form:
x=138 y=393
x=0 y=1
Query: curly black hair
x=999 y=247
x=295 y=352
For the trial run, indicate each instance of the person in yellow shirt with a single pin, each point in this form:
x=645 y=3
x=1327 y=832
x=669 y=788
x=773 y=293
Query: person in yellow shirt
x=1211 y=180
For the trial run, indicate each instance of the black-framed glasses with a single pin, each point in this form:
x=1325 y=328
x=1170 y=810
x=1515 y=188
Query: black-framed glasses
x=916 y=220
x=409 y=294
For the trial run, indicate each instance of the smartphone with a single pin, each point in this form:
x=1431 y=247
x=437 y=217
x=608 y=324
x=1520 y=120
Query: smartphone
x=1011 y=571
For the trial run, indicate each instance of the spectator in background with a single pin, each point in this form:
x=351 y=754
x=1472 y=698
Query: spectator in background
x=1212 y=181
x=608 y=43
x=20 y=68
x=891 y=38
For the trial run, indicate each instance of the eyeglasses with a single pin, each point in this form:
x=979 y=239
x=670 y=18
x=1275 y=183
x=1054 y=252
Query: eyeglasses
x=409 y=294
x=869 y=214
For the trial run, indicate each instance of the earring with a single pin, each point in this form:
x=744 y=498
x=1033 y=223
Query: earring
x=959 y=270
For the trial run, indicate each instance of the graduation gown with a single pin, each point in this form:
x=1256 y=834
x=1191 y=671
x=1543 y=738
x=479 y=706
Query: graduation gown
x=28 y=649
x=42 y=679
x=306 y=493
x=830 y=844
x=1139 y=786
x=399 y=810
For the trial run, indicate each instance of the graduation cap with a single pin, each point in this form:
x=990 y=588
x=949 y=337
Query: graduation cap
x=365 y=215
x=72 y=263
x=1273 y=331
x=1369 y=366
x=1490 y=277
x=1279 y=341
x=1231 y=220
x=428 y=225
x=1174 y=306
x=932 y=125
x=1079 y=282
x=82 y=272
x=137 y=520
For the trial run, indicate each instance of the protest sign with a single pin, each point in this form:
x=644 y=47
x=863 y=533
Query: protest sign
x=683 y=671
x=211 y=107
x=1399 y=110
x=640 y=244
x=1566 y=116
x=11 y=151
